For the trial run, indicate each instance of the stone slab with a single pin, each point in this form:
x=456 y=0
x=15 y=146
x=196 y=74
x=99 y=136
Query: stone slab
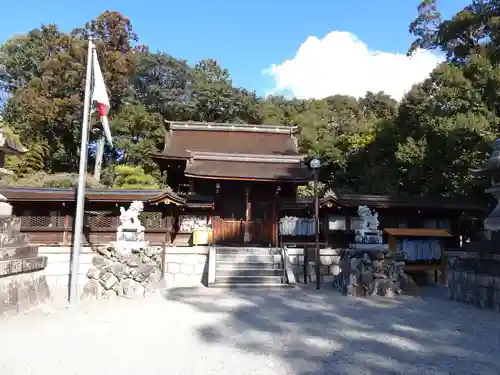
x=16 y=266
x=368 y=247
x=21 y=292
x=18 y=252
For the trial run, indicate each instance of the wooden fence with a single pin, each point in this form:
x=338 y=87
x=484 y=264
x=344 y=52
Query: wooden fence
x=56 y=228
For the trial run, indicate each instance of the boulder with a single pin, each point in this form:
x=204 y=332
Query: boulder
x=108 y=280
x=93 y=273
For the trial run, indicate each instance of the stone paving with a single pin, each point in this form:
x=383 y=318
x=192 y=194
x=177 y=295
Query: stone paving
x=288 y=331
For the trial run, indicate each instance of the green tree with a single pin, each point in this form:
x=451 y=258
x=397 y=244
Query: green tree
x=161 y=84
x=137 y=133
x=132 y=178
x=213 y=98
x=46 y=70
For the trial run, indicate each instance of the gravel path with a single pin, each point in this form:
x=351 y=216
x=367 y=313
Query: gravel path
x=207 y=331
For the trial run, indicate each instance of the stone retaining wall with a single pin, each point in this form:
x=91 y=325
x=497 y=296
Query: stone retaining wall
x=474 y=279
x=329 y=259
x=184 y=267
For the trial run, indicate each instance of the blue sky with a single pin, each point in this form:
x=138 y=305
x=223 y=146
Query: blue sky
x=244 y=36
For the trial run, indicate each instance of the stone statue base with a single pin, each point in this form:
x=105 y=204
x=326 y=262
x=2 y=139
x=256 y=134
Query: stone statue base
x=117 y=275
x=128 y=247
x=370 y=270
x=369 y=246
x=22 y=282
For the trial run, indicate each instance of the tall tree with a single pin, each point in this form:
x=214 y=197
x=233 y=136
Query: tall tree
x=161 y=84
x=214 y=99
x=473 y=30
x=46 y=72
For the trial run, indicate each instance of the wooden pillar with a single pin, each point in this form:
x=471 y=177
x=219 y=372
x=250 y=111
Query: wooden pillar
x=248 y=214
x=216 y=221
x=275 y=236
x=66 y=229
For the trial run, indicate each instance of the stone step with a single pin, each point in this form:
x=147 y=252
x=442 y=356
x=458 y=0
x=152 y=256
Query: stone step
x=248 y=258
x=241 y=272
x=247 y=250
x=249 y=279
x=248 y=265
x=243 y=285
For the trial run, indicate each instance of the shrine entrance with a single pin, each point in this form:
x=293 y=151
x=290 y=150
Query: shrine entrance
x=244 y=216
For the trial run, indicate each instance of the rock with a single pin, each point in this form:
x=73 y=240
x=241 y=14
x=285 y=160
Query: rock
x=389 y=292
x=133 y=260
x=367 y=258
x=360 y=291
x=100 y=262
x=129 y=275
x=408 y=285
x=132 y=289
x=353 y=279
x=93 y=273
x=146 y=269
x=383 y=287
x=378 y=255
x=377 y=275
x=150 y=251
x=118 y=288
x=108 y=280
x=109 y=294
x=155 y=282
x=105 y=252
x=379 y=266
x=120 y=270
x=354 y=263
x=92 y=290
x=139 y=277
x=366 y=278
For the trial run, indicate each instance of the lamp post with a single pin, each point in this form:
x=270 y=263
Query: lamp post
x=315 y=165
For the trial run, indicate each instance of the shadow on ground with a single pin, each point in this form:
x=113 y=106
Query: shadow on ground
x=321 y=332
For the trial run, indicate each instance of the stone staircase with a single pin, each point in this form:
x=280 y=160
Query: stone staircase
x=249 y=267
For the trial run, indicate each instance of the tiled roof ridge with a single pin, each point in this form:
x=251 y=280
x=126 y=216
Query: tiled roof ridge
x=221 y=126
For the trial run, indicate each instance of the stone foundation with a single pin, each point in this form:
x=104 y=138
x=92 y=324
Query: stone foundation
x=21 y=292
x=114 y=274
x=23 y=284
x=373 y=272
x=329 y=264
x=186 y=266
x=474 y=279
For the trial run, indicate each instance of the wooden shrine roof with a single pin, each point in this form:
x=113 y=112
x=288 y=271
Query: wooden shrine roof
x=235 y=151
x=252 y=170
x=384 y=201
x=186 y=137
x=165 y=196
x=418 y=232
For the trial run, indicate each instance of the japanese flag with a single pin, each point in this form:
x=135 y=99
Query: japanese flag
x=100 y=96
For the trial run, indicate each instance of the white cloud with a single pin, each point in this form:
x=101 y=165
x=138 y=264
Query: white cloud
x=342 y=64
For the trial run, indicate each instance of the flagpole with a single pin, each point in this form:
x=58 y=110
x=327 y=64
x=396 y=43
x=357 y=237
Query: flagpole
x=80 y=200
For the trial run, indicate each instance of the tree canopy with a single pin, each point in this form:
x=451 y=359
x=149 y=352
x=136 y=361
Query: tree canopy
x=424 y=145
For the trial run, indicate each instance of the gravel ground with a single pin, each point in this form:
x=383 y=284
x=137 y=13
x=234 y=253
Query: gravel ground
x=292 y=331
